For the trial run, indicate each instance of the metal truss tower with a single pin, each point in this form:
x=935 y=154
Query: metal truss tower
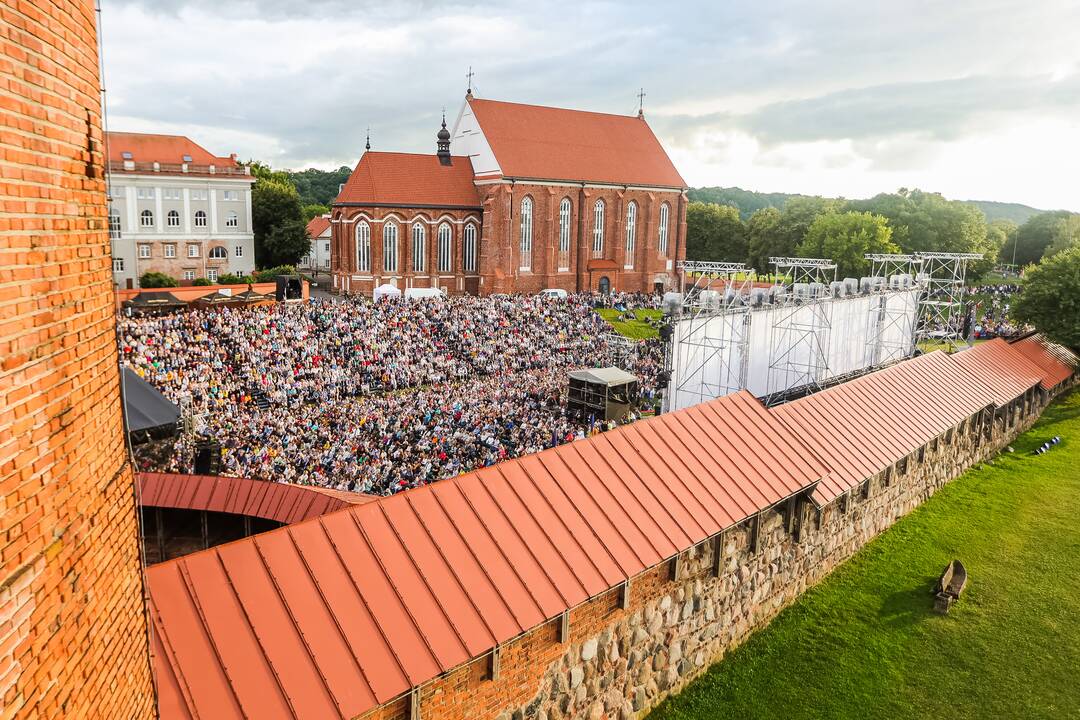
x=710 y=341
x=621 y=351
x=799 y=347
x=892 y=321
x=941 y=314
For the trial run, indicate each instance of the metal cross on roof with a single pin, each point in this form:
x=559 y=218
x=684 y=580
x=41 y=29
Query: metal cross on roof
x=469 y=77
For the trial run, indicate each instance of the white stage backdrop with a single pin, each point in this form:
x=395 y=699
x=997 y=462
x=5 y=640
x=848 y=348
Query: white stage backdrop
x=854 y=333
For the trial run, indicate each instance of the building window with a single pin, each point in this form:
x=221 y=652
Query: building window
x=526 y=233
x=363 y=247
x=189 y=275
x=598 y=229
x=631 y=234
x=114 y=224
x=564 y=234
x=662 y=245
x=172 y=219
x=144 y=193
x=200 y=218
x=218 y=253
x=389 y=247
x=470 y=248
x=170 y=193
x=198 y=195
x=446 y=249
x=116 y=192
x=211 y=274
x=238 y=251
x=326 y=248
x=118 y=265
x=193 y=251
x=418 y=247
x=232 y=220
x=144 y=251
x=230 y=194
x=170 y=251
x=146 y=219
x=326 y=262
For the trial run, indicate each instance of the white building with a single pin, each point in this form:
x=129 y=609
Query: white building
x=176 y=208
x=318 y=257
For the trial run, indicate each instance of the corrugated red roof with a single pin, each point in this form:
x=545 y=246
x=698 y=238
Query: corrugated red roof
x=390 y=178
x=1058 y=363
x=331 y=617
x=165 y=149
x=863 y=426
x=1001 y=368
x=283 y=502
x=530 y=141
x=317 y=226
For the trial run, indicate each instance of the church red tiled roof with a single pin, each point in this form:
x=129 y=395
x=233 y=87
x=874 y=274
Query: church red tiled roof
x=164 y=149
x=317 y=226
x=391 y=178
x=544 y=143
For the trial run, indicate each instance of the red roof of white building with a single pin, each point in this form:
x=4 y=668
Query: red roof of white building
x=317 y=226
x=164 y=149
x=391 y=178
x=545 y=143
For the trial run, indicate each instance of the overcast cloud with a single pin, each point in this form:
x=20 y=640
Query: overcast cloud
x=972 y=98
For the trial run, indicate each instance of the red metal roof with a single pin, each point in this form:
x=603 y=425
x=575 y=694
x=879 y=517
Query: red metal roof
x=283 y=502
x=317 y=226
x=165 y=149
x=386 y=178
x=1058 y=363
x=331 y=617
x=1005 y=371
x=863 y=426
x=530 y=141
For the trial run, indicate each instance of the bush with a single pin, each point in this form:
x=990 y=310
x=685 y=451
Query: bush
x=154 y=279
x=231 y=279
x=201 y=282
x=269 y=274
x=1051 y=298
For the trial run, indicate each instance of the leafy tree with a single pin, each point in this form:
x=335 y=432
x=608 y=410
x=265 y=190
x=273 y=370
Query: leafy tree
x=763 y=238
x=927 y=222
x=1051 y=298
x=1030 y=241
x=1065 y=235
x=154 y=279
x=310 y=211
x=319 y=187
x=287 y=242
x=270 y=274
x=714 y=232
x=275 y=215
x=846 y=237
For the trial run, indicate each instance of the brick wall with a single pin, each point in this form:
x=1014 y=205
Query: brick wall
x=624 y=657
x=72 y=629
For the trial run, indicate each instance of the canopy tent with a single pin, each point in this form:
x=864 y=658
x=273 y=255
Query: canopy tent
x=421 y=293
x=146 y=301
x=386 y=290
x=250 y=296
x=144 y=407
x=218 y=299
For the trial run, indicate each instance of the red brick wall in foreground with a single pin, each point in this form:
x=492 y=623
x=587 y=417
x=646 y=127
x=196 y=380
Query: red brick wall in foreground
x=73 y=638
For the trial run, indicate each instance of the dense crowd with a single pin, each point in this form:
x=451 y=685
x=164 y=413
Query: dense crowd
x=375 y=396
x=992 y=304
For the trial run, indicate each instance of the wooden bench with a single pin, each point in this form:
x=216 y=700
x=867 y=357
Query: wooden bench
x=952 y=582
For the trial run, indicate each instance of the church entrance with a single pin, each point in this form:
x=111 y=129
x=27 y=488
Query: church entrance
x=605 y=286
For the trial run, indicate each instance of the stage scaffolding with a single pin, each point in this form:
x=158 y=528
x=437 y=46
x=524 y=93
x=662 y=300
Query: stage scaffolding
x=898 y=272
x=714 y=332
x=941 y=313
x=799 y=345
x=621 y=351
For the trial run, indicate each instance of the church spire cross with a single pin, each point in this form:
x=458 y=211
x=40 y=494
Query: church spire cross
x=641 y=103
x=367 y=145
x=469 y=76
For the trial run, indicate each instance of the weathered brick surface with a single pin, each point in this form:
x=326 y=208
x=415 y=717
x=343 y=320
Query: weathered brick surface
x=72 y=629
x=618 y=663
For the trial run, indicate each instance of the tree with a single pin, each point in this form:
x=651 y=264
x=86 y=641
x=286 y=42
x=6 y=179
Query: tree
x=927 y=222
x=155 y=279
x=846 y=237
x=1065 y=235
x=275 y=213
x=309 y=211
x=1030 y=241
x=232 y=279
x=763 y=239
x=319 y=187
x=714 y=232
x=270 y=274
x=287 y=242
x=1051 y=298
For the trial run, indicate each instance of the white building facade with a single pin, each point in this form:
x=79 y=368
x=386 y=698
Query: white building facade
x=318 y=257
x=177 y=209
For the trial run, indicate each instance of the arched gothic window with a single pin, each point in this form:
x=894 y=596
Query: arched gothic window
x=469 y=259
x=598 y=229
x=419 y=238
x=662 y=245
x=363 y=247
x=389 y=246
x=564 y=234
x=526 y=233
x=631 y=234
x=446 y=249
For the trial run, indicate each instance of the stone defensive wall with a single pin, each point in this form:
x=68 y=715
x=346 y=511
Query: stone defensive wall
x=591 y=580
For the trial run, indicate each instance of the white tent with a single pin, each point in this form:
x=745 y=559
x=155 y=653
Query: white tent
x=386 y=290
x=420 y=293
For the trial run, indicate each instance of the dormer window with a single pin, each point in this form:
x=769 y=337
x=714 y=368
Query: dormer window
x=187 y=158
x=126 y=155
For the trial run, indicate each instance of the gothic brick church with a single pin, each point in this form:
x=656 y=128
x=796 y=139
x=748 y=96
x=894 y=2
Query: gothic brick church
x=517 y=198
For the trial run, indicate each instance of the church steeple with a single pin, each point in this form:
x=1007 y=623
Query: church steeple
x=367 y=145
x=443 y=143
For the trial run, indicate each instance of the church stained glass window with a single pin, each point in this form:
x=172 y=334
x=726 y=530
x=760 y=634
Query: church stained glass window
x=631 y=234
x=363 y=247
x=526 y=233
x=446 y=249
x=469 y=258
x=662 y=245
x=598 y=229
x=564 y=234
x=418 y=238
x=389 y=246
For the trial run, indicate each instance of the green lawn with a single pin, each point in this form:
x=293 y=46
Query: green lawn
x=634 y=329
x=866 y=644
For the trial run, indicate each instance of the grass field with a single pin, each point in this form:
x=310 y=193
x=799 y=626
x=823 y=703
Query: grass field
x=634 y=329
x=865 y=643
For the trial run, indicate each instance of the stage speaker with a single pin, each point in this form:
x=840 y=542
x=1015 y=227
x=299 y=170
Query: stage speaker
x=207 y=457
x=288 y=288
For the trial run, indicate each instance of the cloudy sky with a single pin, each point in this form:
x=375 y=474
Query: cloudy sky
x=977 y=99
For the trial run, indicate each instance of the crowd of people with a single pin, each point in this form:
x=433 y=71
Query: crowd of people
x=991 y=310
x=379 y=396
